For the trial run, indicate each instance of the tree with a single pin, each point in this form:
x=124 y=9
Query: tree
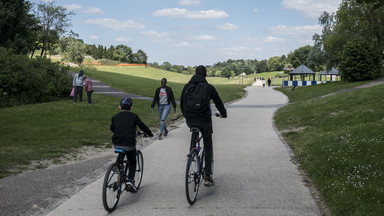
x=275 y=64
x=18 y=28
x=75 y=51
x=261 y=66
x=55 y=23
x=226 y=72
x=123 y=53
x=141 y=57
x=299 y=56
x=355 y=19
x=360 y=60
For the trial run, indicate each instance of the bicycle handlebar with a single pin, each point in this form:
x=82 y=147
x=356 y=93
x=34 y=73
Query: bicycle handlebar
x=141 y=134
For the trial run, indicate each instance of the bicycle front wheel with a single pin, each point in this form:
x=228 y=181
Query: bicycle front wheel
x=111 y=187
x=192 y=178
x=139 y=168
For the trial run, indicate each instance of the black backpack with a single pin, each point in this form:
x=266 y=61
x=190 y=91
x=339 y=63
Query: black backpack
x=196 y=98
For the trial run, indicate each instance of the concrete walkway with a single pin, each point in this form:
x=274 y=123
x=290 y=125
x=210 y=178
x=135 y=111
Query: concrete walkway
x=253 y=171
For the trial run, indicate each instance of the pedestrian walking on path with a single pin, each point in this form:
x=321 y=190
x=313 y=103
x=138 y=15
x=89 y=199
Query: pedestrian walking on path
x=163 y=98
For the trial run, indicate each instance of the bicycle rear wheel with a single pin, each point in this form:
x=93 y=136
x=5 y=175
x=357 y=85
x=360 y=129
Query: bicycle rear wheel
x=192 y=178
x=111 y=187
x=139 y=168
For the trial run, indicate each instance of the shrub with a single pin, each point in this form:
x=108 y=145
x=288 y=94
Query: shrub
x=25 y=81
x=359 y=61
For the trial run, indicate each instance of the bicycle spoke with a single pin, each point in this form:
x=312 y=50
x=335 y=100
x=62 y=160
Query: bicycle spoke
x=111 y=188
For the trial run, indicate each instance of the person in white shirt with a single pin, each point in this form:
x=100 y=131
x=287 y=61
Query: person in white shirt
x=78 y=83
x=163 y=97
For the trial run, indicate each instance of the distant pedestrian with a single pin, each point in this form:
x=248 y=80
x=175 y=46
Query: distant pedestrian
x=78 y=83
x=88 y=88
x=163 y=97
x=263 y=82
x=269 y=82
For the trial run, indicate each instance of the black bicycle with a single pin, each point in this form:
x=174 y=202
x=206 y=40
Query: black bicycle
x=194 y=174
x=117 y=175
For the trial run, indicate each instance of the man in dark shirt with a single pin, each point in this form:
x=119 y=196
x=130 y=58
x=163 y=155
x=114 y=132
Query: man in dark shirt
x=203 y=120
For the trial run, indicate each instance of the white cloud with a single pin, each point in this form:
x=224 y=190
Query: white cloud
x=272 y=39
x=296 y=31
x=93 y=10
x=227 y=26
x=189 y=14
x=73 y=7
x=157 y=36
x=204 y=37
x=94 y=37
x=123 y=39
x=181 y=44
x=312 y=8
x=116 y=25
x=189 y=2
x=255 y=10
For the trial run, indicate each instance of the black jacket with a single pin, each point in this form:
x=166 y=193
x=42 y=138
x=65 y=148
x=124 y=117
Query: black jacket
x=170 y=97
x=124 y=129
x=213 y=95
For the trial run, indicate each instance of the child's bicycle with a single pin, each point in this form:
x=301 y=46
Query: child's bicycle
x=117 y=175
x=195 y=173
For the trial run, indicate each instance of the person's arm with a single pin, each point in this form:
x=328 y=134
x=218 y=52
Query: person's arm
x=86 y=85
x=181 y=98
x=112 y=126
x=143 y=127
x=74 y=80
x=155 y=98
x=172 y=98
x=217 y=100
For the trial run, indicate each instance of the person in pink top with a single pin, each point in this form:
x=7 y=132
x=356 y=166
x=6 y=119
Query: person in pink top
x=88 y=87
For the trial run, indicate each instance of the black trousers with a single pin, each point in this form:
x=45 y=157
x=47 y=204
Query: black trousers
x=206 y=131
x=78 y=91
x=131 y=157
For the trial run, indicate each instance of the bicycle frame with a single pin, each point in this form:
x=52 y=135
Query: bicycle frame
x=200 y=150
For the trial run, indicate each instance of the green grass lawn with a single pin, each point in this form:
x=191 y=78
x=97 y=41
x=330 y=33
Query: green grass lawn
x=51 y=130
x=339 y=141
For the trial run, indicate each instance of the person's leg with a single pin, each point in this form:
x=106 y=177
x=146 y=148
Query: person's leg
x=163 y=117
x=161 y=110
x=208 y=148
x=131 y=156
x=76 y=92
x=89 y=94
x=80 y=93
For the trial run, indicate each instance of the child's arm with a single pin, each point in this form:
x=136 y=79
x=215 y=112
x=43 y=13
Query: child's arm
x=143 y=127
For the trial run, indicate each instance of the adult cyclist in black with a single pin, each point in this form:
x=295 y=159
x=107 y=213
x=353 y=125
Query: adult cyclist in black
x=203 y=119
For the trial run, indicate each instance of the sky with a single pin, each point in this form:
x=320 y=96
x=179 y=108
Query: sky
x=199 y=32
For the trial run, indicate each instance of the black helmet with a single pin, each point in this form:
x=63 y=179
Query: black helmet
x=126 y=103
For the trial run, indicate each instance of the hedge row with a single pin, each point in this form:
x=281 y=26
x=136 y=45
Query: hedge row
x=26 y=81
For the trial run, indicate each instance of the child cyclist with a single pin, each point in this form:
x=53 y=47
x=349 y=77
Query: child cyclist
x=124 y=137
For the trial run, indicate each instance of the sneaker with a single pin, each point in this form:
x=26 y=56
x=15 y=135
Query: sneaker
x=130 y=186
x=208 y=181
x=160 y=136
x=165 y=132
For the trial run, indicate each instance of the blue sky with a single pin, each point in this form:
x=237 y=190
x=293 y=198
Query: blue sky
x=195 y=32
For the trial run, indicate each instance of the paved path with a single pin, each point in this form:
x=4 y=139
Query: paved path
x=253 y=171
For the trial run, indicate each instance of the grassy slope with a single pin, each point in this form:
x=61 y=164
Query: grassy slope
x=144 y=81
x=339 y=141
